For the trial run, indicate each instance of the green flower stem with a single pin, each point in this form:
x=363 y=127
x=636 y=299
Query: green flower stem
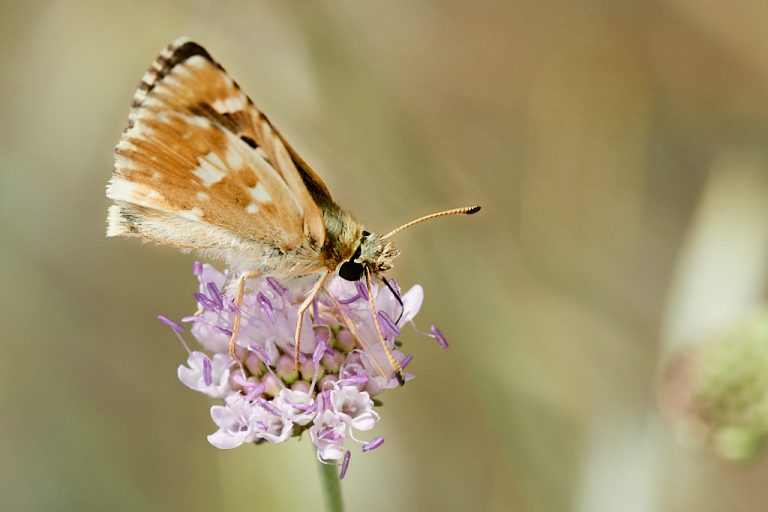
x=331 y=487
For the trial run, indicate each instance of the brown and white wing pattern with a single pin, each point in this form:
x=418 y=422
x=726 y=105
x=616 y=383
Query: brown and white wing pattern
x=201 y=168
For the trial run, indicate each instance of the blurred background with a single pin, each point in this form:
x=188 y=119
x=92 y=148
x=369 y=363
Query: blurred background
x=618 y=150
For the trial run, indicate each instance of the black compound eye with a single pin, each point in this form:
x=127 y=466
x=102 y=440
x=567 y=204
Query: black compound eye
x=351 y=270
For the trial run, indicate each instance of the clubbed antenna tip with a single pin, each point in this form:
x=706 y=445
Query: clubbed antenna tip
x=467 y=210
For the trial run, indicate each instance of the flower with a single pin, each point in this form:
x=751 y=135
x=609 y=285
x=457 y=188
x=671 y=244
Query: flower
x=343 y=363
x=354 y=407
x=716 y=392
x=206 y=376
x=236 y=422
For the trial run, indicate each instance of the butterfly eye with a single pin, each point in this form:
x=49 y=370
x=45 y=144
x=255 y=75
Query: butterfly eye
x=351 y=270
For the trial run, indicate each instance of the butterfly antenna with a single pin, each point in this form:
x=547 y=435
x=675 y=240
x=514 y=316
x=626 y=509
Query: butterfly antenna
x=467 y=210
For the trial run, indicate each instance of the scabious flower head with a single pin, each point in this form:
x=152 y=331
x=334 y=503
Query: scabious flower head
x=342 y=362
x=718 y=390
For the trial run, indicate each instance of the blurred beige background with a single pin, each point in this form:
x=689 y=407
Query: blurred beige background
x=619 y=151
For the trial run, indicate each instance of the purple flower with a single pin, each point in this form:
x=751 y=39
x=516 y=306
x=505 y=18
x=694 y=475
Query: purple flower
x=342 y=362
x=194 y=374
x=354 y=407
x=236 y=421
x=327 y=434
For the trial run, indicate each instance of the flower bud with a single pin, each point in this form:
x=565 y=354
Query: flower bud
x=345 y=340
x=332 y=362
x=286 y=369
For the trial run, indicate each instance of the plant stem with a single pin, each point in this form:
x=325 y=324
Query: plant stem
x=331 y=487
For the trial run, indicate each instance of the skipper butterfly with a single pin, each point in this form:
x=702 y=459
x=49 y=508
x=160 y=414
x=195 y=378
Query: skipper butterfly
x=200 y=168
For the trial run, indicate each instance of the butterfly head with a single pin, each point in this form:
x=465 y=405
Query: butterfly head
x=373 y=254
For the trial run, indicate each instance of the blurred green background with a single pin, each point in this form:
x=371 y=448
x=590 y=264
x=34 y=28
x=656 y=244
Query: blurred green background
x=619 y=152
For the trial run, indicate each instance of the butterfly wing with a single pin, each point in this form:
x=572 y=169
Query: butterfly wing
x=201 y=168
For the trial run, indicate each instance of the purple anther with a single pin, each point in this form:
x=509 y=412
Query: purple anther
x=222 y=330
x=328 y=434
x=269 y=407
x=300 y=406
x=261 y=353
x=215 y=295
x=349 y=300
x=239 y=380
x=388 y=327
x=255 y=391
x=355 y=380
x=205 y=302
x=438 y=335
x=406 y=361
x=367 y=447
x=362 y=290
x=191 y=318
x=207 y=371
x=197 y=268
x=275 y=285
x=317 y=355
x=345 y=464
x=170 y=323
x=266 y=307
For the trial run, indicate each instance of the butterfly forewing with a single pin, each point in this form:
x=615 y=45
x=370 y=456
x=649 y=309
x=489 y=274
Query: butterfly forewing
x=198 y=157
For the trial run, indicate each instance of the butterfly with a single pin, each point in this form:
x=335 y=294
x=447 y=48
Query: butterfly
x=200 y=168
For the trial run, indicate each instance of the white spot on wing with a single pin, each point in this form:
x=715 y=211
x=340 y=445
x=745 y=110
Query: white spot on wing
x=139 y=95
x=152 y=101
x=182 y=71
x=202 y=122
x=260 y=194
x=252 y=208
x=231 y=104
x=234 y=158
x=202 y=196
x=210 y=170
x=196 y=61
x=121 y=189
x=169 y=80
x=149 y=77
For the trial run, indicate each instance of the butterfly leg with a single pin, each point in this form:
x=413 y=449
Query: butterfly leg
x=392 y=361
x=238 y=304
x=302 y=309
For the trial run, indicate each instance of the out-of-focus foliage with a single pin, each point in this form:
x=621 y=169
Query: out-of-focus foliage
x=618 y=149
